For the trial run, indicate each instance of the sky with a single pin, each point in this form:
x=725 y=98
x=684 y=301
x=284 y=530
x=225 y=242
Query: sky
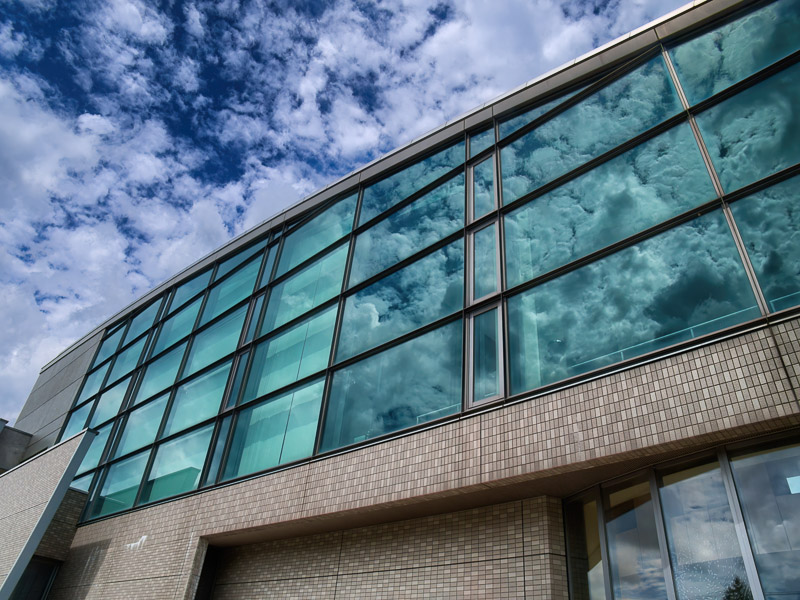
x=136 y=137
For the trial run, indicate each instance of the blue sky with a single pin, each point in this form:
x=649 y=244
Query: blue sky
x=136 y=137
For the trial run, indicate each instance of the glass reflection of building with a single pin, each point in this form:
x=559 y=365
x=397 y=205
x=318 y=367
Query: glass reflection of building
x=648 y=209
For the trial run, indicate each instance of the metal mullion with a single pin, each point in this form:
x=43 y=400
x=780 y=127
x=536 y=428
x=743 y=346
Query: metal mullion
x=737 y=238
x=449 y=239
x=442 y=179
x=480 y=156
x=616 y=246
x=763 y=184
x=223 y=463
x=661 y=534
x=337 y=328
x=601 y=530
x=595 y=162
x=441 y=322
x=739 y=525
x=469 y=187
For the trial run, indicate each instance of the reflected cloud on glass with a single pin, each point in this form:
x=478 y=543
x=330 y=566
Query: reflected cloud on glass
x=415 y=382
x=418 y=294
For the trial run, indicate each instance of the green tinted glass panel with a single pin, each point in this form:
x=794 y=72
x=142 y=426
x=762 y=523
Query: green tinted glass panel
x=82 y=484
x=178 y=465
x=231 y=291
x=508 y=127
x=109 y=403
x=427 y=220
x=483 y=188
x=410 y=384
x=480 y=141
x=219 y=449
x=769 y=223
x=177 y=326
x=291 y=355
x=719 y=58
x=388 y=192
x=93 y=382
x=320 y=232
x=484 y=280
x=655 y=181
x=623 y=109
x=142 y=322
x=127 y=360
x=238 y=378
x=92 y=457
x=77 y=420
x=266 y=276
x=141 y=426
x=703 y=547
x=120 y=486
x=160 y=373
x=768 y=485
x=755 y=133
x=109 y=346
x=422 y=292
x=486 y=356
x=686 y=282
x=230 y=264
x=252 y=324
x=190 y=289
x=276 y=431
x=198 y=399
x=215 y=342
x=308 y=288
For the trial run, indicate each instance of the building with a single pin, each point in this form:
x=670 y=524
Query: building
x=550 y=350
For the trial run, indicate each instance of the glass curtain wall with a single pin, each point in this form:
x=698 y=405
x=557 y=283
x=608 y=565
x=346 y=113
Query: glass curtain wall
x=645 y=207
x=672 y=533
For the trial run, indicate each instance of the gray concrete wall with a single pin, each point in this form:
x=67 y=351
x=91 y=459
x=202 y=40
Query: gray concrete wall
x=30 y=495
x=51 y=397
x=13 y=444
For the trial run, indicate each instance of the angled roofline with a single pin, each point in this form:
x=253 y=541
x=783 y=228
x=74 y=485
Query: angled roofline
x=682 y=20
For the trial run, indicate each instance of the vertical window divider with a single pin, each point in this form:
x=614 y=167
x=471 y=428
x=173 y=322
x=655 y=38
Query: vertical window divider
x=739 y=525
x=661 y=534
x=601 y=527
x=761 y=301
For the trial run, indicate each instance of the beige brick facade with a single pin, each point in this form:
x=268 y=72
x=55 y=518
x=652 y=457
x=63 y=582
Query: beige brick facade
x=468 y=509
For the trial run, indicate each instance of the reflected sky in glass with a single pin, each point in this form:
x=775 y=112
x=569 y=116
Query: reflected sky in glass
x=142 y=322
x=215 y=342
x=386 y=193
x=197 y=400
x=480 y=141
x=109 y=346
x=416 y=295
x=683 y=283
x=276 y=431
x=189 y=289
x=755 y=133
x=415 y=382
x=308 y=288
x=657 y=180
x=177 y=465
x=160 y=373
x=719 y=58
x=321 y=231
x=93 y=382
x=427 y=220
x=508 y=127
x=483 y=188
x=771 y=508
x=623 y=109
x=141 y=426
x=120 y=486
x=177 y=326
x=769 y=223
x=703 y=547
x=290 y=355
x=109 y=402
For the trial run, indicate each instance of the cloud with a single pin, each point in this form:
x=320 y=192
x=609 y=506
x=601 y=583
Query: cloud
x=137 y=137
